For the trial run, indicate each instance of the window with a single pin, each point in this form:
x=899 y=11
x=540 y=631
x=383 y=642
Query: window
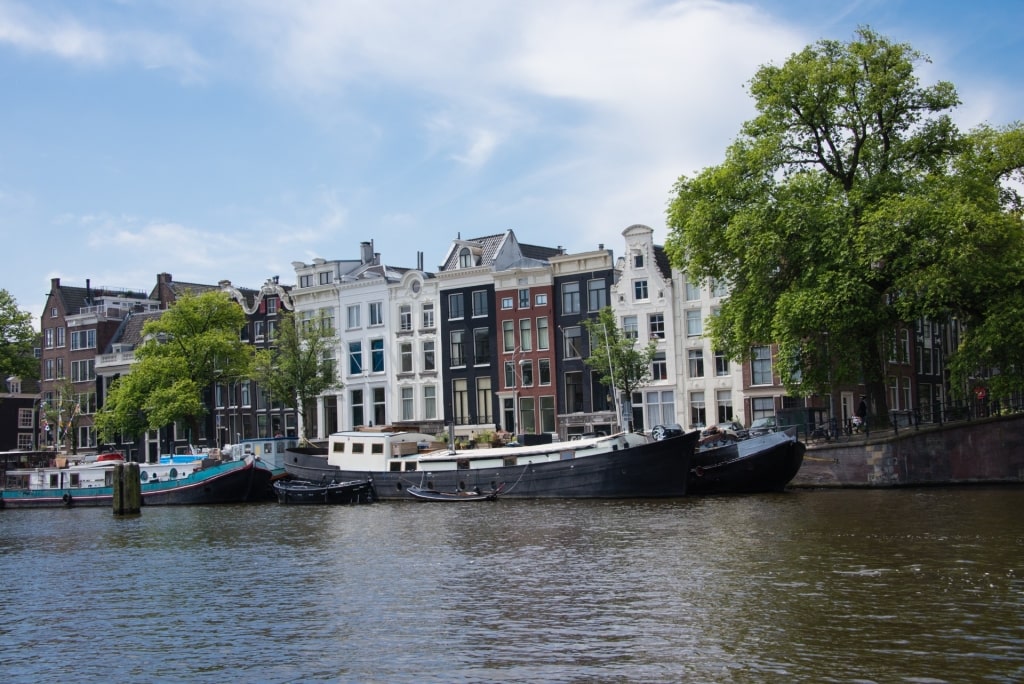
x=484 y=400
x=460 y=401
x=629 y=327
x=695 y=363
x=83 y=339
x=508 y=336
x=527 y=371
x=429 y=402
x=479 y=302
x=524 y=298
x=258 y=330
x=724 y=400
x=481 y=346
x=543 y=338
x=325 y=277
x=465 y=258
x=510 y=374
x=405 y=357
x=597 y=295
x=547 y=414
x=83 y=371
x=355 y=358
x=761 y=366
x=376 y=313
x=246 y=392
x=380 y=414
x=762 y=407
x=24 y=418
x=377 y=355
x=573 y=392
x=572 y=342
x=61 y=342
x=638 y=260
x=352 y=317
x=25 y=441
x=719 y=288
x=541 y=299
x=327 y=319
x=48 y=369
x=544 y=369
x=405 y=317
x=48 y=338
x=640 y=290
x=358 y=411
x=694 y=323
x=692 y=291
x=656 y=322
x=698 y=412
x=659 y=367
x=60 y=368
x=306 y=281
x=455 y=307
x=456 y=344
x=429 y=363
x=407 y=403
x=721 y=363
x=271 y=306
x=527 y=415
x=506 y=303
x=428 y=315
x=570 y=298
x=661 y=407
x=526 y=334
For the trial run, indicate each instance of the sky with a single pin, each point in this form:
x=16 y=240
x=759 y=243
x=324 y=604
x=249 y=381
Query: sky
x=226 y=139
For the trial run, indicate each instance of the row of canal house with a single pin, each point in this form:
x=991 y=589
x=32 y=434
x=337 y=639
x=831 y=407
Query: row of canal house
x=493 y=340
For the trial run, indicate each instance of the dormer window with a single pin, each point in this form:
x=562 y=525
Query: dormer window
x=465 y=258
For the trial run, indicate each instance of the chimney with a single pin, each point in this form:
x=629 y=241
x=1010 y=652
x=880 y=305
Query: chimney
x=419 y=261
x=365 y=252
x=88 y=291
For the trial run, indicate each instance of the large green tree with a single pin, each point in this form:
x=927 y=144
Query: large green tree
x=299 y=366
x=849 y=205
x=17 y=338
x=614 y=356
x=194 y=344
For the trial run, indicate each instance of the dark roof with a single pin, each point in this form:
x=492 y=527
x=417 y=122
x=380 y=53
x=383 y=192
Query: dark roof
x=661 y=259
x=130 y=331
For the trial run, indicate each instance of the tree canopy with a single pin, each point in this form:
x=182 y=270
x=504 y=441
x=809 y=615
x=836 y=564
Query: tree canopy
x=194 y=344
x=849 y=205
x=298 y=368
x=614 y=356
x=17 y=338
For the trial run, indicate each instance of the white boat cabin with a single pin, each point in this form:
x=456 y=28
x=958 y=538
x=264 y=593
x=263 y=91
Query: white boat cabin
x=407 y=452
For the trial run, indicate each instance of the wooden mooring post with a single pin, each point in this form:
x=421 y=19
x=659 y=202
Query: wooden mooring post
x=127 y=489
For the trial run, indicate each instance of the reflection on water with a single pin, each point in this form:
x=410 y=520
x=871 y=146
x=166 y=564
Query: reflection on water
x=825 y=586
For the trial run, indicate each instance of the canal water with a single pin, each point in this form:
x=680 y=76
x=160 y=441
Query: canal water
x=817 y=586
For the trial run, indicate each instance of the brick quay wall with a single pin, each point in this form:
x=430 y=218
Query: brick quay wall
x=982 y=451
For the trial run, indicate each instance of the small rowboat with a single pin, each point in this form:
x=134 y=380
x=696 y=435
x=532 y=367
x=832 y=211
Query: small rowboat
x=461 y=495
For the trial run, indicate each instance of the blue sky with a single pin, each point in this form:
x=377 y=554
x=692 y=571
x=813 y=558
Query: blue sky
x=226 y=139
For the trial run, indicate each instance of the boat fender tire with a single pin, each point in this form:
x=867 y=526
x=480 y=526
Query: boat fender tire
x=66 y=499
x=698 y=471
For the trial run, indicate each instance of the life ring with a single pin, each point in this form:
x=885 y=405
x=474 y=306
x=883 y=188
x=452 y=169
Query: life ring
x=66 y=499
x=698 y=471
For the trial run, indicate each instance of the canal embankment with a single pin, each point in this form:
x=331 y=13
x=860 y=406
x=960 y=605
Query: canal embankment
x=980 y=451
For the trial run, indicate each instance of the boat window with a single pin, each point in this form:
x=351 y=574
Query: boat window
x=358 y=447
x=173 y=473
x=53 y=480
x=338 y=447
x=411 y=466
x=395 y=467
x=462 y=464
x=377 y=448
x=509 y=461
x=143 y=476
x=74 y=479
x=268 y=447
